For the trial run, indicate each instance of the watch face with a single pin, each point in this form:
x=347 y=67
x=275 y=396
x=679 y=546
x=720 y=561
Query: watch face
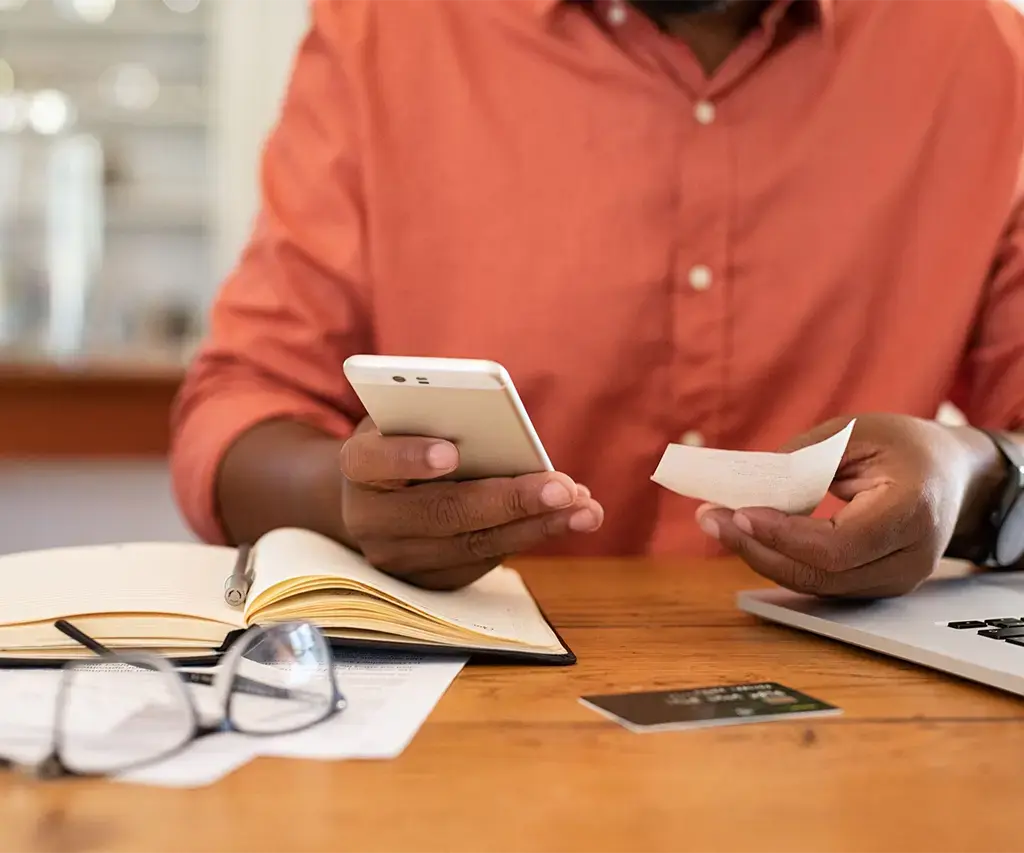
x=1009 y=548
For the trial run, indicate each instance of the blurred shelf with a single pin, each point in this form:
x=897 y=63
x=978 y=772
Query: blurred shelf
x=124 y=366
x=139 y=212
x=155 y=219
x=98 y=115
x=150 y=216
x=118 y=405
x=134 y=18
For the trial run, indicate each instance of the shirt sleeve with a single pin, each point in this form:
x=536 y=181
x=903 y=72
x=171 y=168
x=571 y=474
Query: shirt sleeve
x=295 y=305
x=991 y=387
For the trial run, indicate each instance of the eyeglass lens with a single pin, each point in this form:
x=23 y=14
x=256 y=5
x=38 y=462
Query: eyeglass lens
x=293 y=663
x=143 y=715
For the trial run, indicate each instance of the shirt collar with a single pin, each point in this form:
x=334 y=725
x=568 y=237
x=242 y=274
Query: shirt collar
x=822 y=10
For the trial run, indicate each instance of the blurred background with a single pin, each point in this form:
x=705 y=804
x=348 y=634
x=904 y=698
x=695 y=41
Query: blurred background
x=130 y=132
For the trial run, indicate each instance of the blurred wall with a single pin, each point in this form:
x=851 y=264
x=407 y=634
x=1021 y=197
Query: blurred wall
x=256 y=46
x=53 y=503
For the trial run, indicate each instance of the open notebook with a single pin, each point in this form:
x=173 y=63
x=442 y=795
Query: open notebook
x=169 y=598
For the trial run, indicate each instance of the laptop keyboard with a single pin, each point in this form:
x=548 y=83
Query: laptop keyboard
x=1007 y=629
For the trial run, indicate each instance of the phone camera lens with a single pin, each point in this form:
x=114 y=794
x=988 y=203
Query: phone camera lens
x=398 y=378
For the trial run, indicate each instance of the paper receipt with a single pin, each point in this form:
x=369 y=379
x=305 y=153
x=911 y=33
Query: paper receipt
x=793 y=483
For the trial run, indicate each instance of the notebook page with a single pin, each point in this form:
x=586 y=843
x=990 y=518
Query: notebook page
x=793 y=483
x=497 y=605
x=148 y=577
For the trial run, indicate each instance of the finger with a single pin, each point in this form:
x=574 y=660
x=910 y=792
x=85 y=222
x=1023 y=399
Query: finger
x=894 y=574
x=418 y=556
x=589 y=519
x=432 y=510
x=874 y=524
x=514 y=537
x=369 y=458
x=770 y=564
x=451 y=577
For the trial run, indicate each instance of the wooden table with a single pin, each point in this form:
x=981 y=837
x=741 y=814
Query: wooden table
x=510 y=761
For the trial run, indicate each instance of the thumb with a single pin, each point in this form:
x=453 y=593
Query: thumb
x=819 y=433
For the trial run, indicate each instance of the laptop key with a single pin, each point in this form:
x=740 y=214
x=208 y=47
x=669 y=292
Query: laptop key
x=1016 y=641
x=970 y=623
x=1006 y=622
x=1002 y=633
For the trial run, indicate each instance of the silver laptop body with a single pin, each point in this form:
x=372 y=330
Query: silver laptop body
x=957 y=624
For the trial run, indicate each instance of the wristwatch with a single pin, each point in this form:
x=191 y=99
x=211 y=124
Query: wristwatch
x=1000 y=542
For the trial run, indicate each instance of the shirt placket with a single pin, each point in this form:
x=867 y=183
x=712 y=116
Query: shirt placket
x=699 y=285
x=700 y=295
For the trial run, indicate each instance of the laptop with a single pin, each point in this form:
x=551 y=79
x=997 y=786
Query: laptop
x=968 y=625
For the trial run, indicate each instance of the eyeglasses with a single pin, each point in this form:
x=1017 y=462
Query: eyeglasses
x=123 y=711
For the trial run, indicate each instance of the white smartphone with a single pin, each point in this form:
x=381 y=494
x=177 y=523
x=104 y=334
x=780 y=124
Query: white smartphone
x=470 y=402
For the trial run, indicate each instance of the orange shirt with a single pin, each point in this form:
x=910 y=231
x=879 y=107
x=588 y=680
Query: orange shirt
x=826 y=226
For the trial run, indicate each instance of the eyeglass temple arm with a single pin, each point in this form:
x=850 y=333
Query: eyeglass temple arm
x=80 y=637
x=241 y=683
x=246 y=685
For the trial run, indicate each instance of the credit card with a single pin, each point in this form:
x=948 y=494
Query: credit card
x=700 y=707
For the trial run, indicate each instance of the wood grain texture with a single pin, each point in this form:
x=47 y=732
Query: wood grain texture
x=89 y=410
x=511 y=761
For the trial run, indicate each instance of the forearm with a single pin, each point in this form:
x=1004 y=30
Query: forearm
x=281 y=473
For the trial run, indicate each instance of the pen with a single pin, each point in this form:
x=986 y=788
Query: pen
x=236 y=587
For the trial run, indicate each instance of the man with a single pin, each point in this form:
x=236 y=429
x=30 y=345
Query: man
x=727 y=223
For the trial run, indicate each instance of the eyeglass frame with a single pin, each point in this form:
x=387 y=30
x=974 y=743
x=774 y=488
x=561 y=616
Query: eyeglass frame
x=53 y=766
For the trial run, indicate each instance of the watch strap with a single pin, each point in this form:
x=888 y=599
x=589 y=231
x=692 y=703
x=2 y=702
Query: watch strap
x=1004 y=534
x=998 y=541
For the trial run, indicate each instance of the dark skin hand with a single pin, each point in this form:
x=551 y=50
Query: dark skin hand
x=380 y=496
x=444 y=535
x=909 y=485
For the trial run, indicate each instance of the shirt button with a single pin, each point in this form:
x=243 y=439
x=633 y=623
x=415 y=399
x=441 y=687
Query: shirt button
x=704 y=112
x=616 y=14
x=692 y=438
x=700 y=277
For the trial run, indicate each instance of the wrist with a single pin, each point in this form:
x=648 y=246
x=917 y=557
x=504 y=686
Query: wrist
x=984 y=480
x=317 y=490
x=281 y=473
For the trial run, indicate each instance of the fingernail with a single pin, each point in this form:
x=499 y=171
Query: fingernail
x=555 y=495
x=583 y=521
x=442 y=457
x=743 y=523
x=709 y=526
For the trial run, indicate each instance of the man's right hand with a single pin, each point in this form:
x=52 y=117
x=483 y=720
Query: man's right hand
x=444 y=535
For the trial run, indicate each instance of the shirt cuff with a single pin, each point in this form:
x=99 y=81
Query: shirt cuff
x=207 y=433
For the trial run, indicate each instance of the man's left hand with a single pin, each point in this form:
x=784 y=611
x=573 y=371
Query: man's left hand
x=908 y=484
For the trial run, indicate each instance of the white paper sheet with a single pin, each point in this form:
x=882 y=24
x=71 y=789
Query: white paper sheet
x=389 y=698
x=204 y=762
x=793 y=483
